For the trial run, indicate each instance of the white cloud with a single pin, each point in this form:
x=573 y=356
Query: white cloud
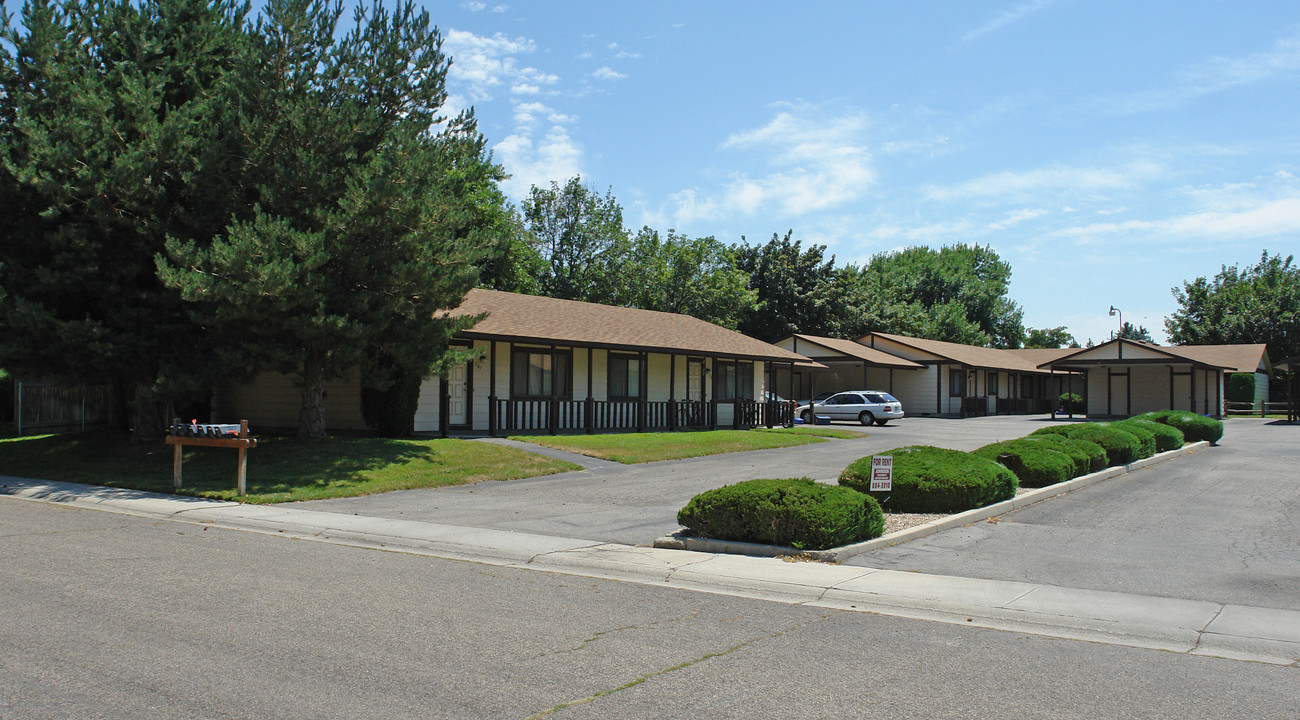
x=556 y=156
x=473 y=6
x=814 y=162
x=1268 y=219
x=607 y=73
x=1034 y=184
x=1006 y=18
x=1211 y=76
x=481 y=64
x=1016 y=217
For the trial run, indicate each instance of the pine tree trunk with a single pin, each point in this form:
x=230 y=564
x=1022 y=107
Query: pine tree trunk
x=311 y=416
x=148 y=417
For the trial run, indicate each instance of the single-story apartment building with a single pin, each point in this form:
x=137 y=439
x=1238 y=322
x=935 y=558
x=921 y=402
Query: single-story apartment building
x=1130 y=377
x=548 y=365
x=1117 y=378
x=931 y=377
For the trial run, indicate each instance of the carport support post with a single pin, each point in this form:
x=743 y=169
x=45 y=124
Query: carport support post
x=1071 y=395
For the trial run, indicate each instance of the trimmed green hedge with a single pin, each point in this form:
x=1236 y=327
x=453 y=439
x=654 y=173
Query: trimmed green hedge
x=1146 y=438
x=1168 y=437
x=934 y=480
x=1034 y=463
x=1089 y=457
x=1195 y=428
x=1121 y=447
x=794 y=512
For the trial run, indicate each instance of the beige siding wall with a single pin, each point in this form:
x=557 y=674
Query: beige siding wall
x=1149 y=389
x=915 y=389
x=272 y=400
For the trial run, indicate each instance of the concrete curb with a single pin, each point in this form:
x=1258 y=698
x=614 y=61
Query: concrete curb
x=679 y=541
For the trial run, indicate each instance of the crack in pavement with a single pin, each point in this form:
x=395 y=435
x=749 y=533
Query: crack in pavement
x=664 y=671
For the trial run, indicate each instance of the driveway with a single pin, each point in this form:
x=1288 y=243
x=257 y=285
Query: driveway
x=634 y=504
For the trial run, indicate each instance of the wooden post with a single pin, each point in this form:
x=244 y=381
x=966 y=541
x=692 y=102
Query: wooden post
x=176 y=468
x=241 y=443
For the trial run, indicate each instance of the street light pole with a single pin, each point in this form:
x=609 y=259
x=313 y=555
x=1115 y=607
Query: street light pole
x=1116 y=311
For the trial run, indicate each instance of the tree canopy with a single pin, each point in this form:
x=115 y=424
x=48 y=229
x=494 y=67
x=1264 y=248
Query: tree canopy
x=1257 y=304
x=1057 y=337
x=197 y=195
x=110 y=141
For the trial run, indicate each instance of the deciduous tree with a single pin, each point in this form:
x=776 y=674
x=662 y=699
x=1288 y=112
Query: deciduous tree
x=1258 y=304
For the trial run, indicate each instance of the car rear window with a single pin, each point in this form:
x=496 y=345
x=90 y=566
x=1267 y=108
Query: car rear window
x=873 y=397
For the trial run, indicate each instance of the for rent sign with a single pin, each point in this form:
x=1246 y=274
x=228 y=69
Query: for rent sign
x=882 y=473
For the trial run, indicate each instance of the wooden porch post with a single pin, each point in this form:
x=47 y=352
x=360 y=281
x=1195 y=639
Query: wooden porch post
x=552 y=416
x=492 y=389
x=642 y=377
x=444 y=406
x=672 y=391
x=589 y=406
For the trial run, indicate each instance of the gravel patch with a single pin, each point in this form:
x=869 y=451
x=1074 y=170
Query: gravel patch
x=895 y=522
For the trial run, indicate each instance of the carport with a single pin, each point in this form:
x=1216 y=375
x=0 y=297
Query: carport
x=1130 y=377
x=844 y=365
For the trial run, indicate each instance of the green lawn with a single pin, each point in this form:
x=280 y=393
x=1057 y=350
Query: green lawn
x=279 y=469
x=631 y=448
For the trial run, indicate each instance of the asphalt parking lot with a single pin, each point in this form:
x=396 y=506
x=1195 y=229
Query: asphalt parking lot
x=634 y=504
x=1220 y=524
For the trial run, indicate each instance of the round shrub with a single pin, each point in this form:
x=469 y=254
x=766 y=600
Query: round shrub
x=1071 y=403
x=1195 y=428
x=1121 y=447
x=1168 y=437
x=1035 y=464
x=1088 y=456
x=934 y=480
x=794 y=512
x=1146 y=438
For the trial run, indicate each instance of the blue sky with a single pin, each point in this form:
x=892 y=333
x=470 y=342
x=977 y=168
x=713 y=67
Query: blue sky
x=1107 y=150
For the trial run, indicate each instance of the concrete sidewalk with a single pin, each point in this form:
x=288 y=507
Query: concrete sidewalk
x=1183 y=626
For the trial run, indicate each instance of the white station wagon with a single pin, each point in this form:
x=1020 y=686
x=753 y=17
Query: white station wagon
x=865 y=406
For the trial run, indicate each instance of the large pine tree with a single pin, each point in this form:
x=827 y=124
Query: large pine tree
x=108 y=144
x=371 y=211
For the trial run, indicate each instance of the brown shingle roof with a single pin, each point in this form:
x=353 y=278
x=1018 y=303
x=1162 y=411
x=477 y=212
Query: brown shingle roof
x=1233 y=358
x=970 y=355
x=532 y=318
x=854 y=349
x=1236 y=358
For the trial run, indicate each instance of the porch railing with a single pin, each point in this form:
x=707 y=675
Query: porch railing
x=558 y=415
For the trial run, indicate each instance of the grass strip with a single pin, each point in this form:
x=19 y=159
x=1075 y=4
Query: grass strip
x=633 y=448
x=280 y=469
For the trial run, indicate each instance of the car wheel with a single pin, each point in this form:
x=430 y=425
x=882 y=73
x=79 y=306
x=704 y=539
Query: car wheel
x=807 y=417
x=881 y=422
x=866 y=418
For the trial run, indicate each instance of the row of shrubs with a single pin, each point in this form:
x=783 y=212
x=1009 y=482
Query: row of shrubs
x=808 y=515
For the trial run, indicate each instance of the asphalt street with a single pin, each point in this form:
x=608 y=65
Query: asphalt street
x=112 y=616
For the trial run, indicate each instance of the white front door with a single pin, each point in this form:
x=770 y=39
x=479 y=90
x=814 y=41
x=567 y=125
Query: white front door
x=457 y=389
x=694 y=380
